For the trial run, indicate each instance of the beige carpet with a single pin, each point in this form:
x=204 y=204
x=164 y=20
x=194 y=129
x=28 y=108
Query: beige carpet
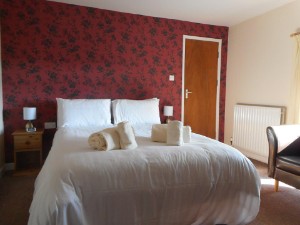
x=277 y=208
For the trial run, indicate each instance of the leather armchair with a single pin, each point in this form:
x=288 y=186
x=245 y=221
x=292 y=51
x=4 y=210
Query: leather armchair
x=284 y=154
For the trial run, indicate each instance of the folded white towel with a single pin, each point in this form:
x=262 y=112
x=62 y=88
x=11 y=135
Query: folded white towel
x=105 y=140
x=175 y=133
x=159 y=133
x=127 y=137
x=187 y=134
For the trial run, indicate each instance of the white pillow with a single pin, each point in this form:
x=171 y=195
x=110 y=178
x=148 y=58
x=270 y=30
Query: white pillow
x=136 y=111
x=83 y=112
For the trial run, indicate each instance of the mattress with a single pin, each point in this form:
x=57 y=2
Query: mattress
x=201 y=182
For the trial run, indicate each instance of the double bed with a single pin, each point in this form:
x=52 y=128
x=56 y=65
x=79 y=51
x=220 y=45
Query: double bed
x=201 y=182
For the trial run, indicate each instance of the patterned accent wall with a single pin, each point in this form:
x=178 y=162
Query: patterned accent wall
x=52 y=50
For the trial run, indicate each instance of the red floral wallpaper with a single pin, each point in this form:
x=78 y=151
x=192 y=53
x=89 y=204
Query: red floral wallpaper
x=52 y=49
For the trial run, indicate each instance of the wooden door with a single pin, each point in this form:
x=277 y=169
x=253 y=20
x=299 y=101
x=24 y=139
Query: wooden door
x=201 y=74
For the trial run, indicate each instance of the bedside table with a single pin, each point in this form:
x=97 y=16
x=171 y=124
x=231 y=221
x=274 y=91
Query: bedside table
x=28 y=142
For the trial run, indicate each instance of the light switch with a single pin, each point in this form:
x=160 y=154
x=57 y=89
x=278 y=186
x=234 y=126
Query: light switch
x=171 y=78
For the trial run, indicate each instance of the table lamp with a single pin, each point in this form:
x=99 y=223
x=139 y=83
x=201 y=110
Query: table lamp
x=168 y=111
x=29 y=114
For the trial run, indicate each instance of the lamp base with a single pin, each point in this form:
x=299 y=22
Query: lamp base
x=29 y=127
x=168 y=119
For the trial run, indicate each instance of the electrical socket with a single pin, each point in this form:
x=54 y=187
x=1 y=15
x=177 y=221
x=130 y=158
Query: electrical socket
x=50 y=125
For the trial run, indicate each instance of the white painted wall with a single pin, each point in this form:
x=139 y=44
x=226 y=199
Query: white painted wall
x=260 y=60
x=1 y=119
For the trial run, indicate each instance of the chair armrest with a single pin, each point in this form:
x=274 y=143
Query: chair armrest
x=279 y=137
x=273 y=149
x=286 y=134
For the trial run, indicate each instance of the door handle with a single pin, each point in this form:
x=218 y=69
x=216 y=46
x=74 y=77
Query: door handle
x=187 y=92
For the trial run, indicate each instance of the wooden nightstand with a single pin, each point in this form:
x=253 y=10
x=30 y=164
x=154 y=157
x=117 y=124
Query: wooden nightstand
x=28 y=142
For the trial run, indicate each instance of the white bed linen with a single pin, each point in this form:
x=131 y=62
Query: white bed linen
x=202 y=182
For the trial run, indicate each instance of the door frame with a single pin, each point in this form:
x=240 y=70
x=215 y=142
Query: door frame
x=219 y=41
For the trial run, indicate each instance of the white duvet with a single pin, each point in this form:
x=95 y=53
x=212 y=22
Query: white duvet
x=202 y=182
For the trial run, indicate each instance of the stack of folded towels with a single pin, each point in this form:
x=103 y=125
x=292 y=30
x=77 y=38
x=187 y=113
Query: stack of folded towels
x=173 y=133
x=119 y=137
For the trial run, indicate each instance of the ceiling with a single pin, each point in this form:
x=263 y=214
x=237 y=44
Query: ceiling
x=215 y=12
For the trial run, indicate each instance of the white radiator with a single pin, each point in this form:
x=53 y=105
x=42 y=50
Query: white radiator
x=249 y=128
